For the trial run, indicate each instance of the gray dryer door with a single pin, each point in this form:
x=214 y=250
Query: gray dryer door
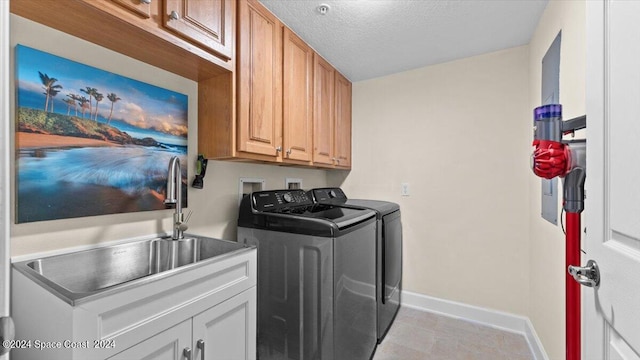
x=390 y=270
x=392 y=255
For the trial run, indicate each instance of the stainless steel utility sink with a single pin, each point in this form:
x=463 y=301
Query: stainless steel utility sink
x=77 y=276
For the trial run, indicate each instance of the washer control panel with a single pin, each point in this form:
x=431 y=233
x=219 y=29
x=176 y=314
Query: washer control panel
x=278 y=199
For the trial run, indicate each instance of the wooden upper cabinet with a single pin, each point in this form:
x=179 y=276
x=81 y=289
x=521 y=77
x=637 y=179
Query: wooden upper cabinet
x=259 y=80
x=297 y=99
x=332 y=116
x=206 y=22
x=342 y=130
x=138 y=7
x=134 y=28
x=323 y=114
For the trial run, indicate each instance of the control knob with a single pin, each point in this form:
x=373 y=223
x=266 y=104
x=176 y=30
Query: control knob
x=332 y=194
x=287 y=198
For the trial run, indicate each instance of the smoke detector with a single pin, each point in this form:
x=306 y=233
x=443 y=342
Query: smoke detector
x=323 y=9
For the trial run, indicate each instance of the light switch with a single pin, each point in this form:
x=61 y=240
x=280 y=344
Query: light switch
x=404 y=189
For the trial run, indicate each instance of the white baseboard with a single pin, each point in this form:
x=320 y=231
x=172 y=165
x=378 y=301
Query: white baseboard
x=493 y=318
x=534 y=342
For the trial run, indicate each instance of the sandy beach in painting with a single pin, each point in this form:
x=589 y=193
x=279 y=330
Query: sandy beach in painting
x=31 y=140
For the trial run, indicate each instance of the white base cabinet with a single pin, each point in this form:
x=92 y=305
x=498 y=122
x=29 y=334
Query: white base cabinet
x=209 y=309
x=168 y=345
x=226 y=331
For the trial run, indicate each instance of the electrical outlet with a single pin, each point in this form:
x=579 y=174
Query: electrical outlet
x=404 y=189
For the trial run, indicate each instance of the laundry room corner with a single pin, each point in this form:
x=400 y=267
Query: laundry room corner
x=458 y=135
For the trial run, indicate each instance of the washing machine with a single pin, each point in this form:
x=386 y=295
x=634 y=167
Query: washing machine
x=389 y=251
x=316 y=276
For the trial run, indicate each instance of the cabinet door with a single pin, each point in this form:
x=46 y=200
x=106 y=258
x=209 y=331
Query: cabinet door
x=167 y=345
x=323 y=115
x=259 y=83
x=342 y=130
x=137 y=7
x=228 y=330
x=207 y=22
x=297 y=98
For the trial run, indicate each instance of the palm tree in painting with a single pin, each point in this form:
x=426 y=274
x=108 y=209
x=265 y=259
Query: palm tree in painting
x=84 y=105
x=49 y=85
x=73 y=99
x=70 y=103
x=98 y=96
x=89 y=91
x=113 y=97
x=52 y=93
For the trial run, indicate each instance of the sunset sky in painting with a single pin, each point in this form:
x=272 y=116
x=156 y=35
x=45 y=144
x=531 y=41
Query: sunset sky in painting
x=146 y=109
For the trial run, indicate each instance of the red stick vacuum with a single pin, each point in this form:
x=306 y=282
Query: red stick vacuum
x=572 y=288
x=554 y=157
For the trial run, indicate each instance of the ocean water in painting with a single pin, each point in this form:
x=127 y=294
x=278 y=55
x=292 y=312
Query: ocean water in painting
x=90 y=142
x=88 y=181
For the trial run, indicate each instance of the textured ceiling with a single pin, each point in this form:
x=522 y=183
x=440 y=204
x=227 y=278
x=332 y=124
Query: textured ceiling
x=365 y=39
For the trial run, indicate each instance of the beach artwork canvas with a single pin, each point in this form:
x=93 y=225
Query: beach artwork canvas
x=90 y=142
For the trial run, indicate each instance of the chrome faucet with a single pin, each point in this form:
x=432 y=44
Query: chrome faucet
x=174 y=196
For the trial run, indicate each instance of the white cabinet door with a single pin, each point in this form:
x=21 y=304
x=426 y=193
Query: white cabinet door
x=611 y=312
x=228 y=330
x=167 y=345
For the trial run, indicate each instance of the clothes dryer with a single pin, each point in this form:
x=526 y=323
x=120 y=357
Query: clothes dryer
x=389 y=251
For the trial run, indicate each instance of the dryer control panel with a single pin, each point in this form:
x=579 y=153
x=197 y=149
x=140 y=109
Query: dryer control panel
x=329 y=196
x=278 y=199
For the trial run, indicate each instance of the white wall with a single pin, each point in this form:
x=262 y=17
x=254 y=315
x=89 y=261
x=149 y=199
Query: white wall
x=214 y=207
x=459 y=134
x=547 y=256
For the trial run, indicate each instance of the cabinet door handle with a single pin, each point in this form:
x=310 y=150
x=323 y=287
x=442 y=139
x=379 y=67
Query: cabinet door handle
x=186 y=353
x=174 y=15
x=146 y=1
x=289 y=152
x=200 y=345
x=278 y=149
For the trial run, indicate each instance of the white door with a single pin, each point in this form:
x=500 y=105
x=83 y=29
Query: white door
x=227 y=330
x=171 y=344
x=4 y=165
x=611 y=313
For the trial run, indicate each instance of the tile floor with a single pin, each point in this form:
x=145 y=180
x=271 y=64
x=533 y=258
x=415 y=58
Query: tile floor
x=422 y=335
